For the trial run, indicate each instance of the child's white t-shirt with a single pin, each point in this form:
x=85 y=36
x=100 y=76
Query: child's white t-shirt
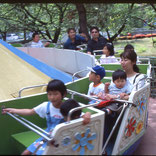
x=94 y=90
x=41 y=110
x=109 y=59
x=38 y=44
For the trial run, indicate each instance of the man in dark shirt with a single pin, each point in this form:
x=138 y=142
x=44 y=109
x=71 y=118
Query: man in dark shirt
x=74 y=40
x=97 y=42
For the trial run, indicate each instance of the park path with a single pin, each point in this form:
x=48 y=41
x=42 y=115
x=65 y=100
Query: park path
x=148 y=143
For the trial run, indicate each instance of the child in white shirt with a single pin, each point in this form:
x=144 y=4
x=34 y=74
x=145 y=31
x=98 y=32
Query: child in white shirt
x=96 y=75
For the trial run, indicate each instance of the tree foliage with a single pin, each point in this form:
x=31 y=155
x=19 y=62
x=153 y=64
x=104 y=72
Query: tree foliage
x=51 y=20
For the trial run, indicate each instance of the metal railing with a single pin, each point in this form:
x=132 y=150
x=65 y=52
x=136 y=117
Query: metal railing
x=78 y=72
x=29 y=87
x=91 y=98
x=31 y=126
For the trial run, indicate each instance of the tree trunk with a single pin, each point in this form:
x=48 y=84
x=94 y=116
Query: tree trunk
x=56 y=36
x=25 y=38
x=4 y=36
x=58 y=29
x=82 y=18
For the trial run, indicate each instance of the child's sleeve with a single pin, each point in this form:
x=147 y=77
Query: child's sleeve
x=41 y=109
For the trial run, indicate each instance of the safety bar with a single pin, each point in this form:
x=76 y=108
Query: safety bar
x=79 y=108
x=30 y=127
x=86 y=70
x=91 y=105
x=98 y=100
x=125 y=101
x=82 y=95
x=96 y=51
x=82 y=46
x=117 y=121
x=78 y=73
x=32 y=124
x=148 y=59
x=35 y=86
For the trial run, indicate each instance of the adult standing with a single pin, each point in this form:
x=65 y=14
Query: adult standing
x=74 y=40
x=97 y=42
x=36 y=43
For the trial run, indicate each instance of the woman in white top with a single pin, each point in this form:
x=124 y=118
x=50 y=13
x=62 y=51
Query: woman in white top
x=108 y=54
x=128 y=63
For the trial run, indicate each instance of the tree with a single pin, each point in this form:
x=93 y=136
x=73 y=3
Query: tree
x=82 y=18
x=51 y=20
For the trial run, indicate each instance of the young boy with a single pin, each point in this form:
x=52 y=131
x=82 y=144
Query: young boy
x=119 y=88
x=96 y=75
x=70 y=104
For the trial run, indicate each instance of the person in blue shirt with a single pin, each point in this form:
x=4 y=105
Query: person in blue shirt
x=74 y=40
x=119 y=88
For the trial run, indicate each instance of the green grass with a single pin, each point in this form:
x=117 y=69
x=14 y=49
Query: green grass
x=143 y=47
x=16 y=45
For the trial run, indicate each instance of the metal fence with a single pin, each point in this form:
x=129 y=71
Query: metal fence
x=153 y=74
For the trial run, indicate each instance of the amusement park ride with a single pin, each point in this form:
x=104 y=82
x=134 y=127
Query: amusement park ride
x=72 y=138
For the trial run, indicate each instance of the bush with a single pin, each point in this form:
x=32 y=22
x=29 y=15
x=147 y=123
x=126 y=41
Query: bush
x=141 y=49
x=17 y=45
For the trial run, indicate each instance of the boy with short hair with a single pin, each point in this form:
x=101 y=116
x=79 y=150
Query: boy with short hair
x=96 y=75
x=71 y=104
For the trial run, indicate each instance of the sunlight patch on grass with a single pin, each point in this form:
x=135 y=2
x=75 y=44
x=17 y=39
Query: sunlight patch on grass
x=143 y=47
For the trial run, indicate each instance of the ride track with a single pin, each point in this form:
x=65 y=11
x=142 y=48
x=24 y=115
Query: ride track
x=20 y=70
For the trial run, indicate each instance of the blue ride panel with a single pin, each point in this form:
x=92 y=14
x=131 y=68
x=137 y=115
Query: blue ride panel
x=44 y=68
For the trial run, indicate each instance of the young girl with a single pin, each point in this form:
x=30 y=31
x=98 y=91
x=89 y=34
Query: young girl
x=56 y=91
x=108 y=54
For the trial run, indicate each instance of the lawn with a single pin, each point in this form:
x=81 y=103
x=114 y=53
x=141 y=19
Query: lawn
x=143 y=47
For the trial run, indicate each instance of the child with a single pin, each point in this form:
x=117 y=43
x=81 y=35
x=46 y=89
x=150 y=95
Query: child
x=56 y=91
x=119 y=88
x=131 y=48
x=96 y=75
x=70 y=104
x=128 y=46
x=108 y=54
